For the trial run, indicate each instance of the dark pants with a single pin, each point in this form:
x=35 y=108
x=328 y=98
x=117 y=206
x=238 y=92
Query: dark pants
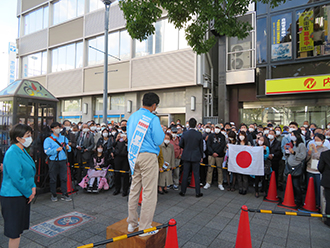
x=57 y=168
x=327 y=207
x=203 y=171
x=264 y=184
x=281 y=178
x=275 y=167
x=296 y=183
x=121 y=163
x=243 y=182
x=84 y=160
x=186 y=170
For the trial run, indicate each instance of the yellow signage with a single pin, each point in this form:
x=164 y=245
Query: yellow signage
x=298 y=85
x=306 y=28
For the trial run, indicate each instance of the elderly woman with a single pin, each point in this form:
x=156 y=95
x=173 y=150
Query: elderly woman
x=313 y=156
x=18 y=187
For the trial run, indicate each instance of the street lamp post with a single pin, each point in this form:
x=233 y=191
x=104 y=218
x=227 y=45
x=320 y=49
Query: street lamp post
x=107 y=4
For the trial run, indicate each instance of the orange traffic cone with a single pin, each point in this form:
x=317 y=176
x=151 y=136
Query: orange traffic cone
x=272 y=191
x=70 y=190
x=192 y=181
x=288 y=196
x=243 y=238
x=310 y=204
x=172 y=236
x=140 y=199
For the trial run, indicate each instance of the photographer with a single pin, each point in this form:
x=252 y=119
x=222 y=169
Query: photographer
x=56 y=147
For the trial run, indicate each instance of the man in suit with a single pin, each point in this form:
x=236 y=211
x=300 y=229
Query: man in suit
x=324 y=168
x=85 y=145
x=192 y=144
x=275 y=153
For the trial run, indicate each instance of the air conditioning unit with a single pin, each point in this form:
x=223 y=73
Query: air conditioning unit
x=240 y=60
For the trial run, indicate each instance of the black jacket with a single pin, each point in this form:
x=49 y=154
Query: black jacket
x=324 y=168
x=275 y=148
x=192 y=144
x=216 y=143
x=120 y=149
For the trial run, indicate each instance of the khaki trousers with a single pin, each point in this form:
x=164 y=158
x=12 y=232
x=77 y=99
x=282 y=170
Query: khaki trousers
x=218 y=162
x=176 y=172
x=145 y=176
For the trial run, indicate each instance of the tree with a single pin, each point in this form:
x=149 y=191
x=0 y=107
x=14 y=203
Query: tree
x=191 y=15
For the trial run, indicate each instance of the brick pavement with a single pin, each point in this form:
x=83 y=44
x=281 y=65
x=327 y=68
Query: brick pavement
x=209 y=221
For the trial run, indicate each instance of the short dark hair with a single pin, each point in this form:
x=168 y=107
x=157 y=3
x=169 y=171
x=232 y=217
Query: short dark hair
x=294 y=123
x=192 y=122
x=150 y=98
x=55 y=124
x=18 y=131
x=320 y=136
x=123 y=121
x=66 y=121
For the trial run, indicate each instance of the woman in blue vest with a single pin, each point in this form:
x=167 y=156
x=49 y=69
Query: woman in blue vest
x=18 y=187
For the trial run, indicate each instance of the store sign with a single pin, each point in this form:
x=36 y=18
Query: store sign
x=298 y=85
x=306 y=29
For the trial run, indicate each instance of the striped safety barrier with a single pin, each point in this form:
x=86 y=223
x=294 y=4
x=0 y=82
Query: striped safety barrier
x=263 y=211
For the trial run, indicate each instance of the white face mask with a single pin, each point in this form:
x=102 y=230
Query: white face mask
x=187 y=126
x=278 y=133
x=224 y=132
x=73 y=132
x=271 y=137
x=67 y=128
x=243 y=130
x=303 y=132
x=93 y=128
x=57 y=131
x=207 y=130
x=123 y=135
x=306 y=126
x=98 y=129
x=328 y=126
x=291 y=130
x=113 y=133
x=100 y=150
x=27 y=141
x=241 y=137
x=251 y=129
x=266 y=131
x=260 y=142
x=318 y=143
x=105 y=134
x=327 y=137
x=174 y=135
x=168 y=131
x=217 y=130
x=85 y=130
x=79 y=126
x=166 y=142
x=293 y=138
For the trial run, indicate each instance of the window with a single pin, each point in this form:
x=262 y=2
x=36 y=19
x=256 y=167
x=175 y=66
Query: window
x=262 y=40
x=64 y=10
x=99 y=103
x=281 y=48
x=313 y=32
x=240 y=52
x=144 y=47
x=95 y=5
x=171 y=37
x=67 y=57
x=34 y=64
x=71 y=105
x=117 y=102
x=261 y=8
x=125 y=45
x=113 y=47
x=36 y=20
x=292 y=3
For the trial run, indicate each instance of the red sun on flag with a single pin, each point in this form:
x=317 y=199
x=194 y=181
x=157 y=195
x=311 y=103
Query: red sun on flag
x=244 y=159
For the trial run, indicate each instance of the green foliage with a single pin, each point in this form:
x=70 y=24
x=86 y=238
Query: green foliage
x=191 y=15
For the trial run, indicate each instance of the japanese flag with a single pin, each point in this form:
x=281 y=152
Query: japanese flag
x=247 y=160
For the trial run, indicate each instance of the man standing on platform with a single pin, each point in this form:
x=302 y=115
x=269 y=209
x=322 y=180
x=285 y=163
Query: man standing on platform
x=145 y=135
x=192 y=144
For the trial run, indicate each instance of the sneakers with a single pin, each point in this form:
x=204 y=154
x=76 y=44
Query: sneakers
x=149 y=233
x=66 y=198
x=175 y=187
x=221 y=187
x=130 y=228
x=207 y=185
x=53 y=198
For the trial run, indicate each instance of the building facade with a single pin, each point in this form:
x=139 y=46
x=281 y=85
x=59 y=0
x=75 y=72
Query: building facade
x=292 y=68
x=61 y=45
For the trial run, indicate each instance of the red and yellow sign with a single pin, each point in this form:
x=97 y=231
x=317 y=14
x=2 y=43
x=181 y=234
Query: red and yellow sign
x=298 y=85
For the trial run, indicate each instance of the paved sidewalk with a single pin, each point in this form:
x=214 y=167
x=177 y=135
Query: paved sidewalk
x=209 y=221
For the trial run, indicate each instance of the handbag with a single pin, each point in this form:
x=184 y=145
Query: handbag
x=267 y=166
x=295 y=171
x=314 y=164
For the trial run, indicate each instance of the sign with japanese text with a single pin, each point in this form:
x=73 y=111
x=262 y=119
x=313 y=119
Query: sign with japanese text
x=11 y=62
x=306 y=28
x=298 y=85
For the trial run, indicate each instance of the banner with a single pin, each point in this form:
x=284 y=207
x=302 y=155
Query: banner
x=247 y=160
x=11 y=62
x=298 y=85
x=306 y=28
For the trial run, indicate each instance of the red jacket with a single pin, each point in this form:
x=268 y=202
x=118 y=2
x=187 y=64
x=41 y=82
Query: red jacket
x=177 y=149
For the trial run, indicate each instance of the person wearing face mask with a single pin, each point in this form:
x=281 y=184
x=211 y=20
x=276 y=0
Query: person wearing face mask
x=56 y=148
x=106 y=142
x=18 y=187
x=85 y=145
x=67 y=133
x=278 y=132
x=248 y=134
x=296 y=154
x=203 y=169
x=243 y=180
x=275 y=153
x=165 y=178
x=121 y=163
x=231 y=177
x=253 y=132
x=313 y=157
x=216 y=144
x=326 y=142
x=96 y=134
x=177 y=157
x=263 y=179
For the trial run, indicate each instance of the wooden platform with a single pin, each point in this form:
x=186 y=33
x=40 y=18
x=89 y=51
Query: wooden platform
x=151 y=241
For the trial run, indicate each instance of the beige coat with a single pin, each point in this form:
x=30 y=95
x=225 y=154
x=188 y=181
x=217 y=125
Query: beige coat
x=165 y=178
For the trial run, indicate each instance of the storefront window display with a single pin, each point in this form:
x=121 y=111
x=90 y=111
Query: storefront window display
x=313 y=37
x=281 y=48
